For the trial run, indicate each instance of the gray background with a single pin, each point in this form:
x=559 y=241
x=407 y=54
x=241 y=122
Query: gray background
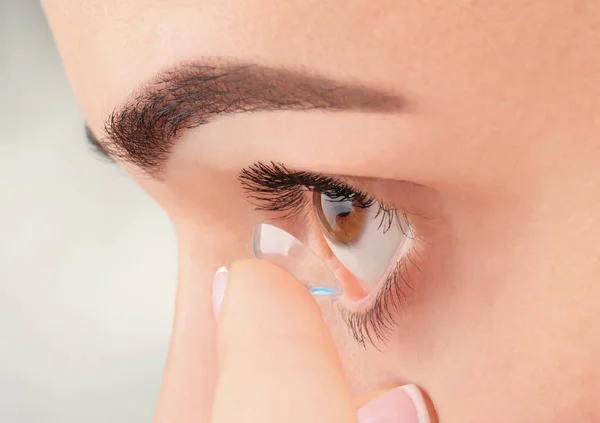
x=87 y=260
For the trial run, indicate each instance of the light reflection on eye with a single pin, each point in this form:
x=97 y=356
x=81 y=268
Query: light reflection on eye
x=362 y=238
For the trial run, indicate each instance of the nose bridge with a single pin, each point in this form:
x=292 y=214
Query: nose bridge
x=191 y=362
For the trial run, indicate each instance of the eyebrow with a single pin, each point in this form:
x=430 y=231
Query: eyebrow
x=145 y=129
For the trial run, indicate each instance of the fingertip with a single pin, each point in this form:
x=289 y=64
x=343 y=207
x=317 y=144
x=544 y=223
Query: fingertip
x=254 y=283
x=265 y=300
x=270 y=331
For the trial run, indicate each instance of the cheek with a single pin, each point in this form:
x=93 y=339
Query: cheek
x=503 y=323
x=365 y=367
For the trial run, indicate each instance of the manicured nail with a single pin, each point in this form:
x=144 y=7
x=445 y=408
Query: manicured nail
x=219 y=284
x=400 y=405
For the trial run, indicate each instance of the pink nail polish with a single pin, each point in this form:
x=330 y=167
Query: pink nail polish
x=400 y=405
x=219 y=284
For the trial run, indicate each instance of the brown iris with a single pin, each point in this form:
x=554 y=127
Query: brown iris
x=342 y=220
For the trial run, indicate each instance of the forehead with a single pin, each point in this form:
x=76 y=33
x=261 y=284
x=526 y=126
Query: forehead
x=476 y=68
x=116 y=44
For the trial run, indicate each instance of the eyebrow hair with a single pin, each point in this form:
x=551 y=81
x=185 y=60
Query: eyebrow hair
x=144 y=130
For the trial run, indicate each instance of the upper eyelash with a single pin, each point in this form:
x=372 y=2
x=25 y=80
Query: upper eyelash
x=274 y=188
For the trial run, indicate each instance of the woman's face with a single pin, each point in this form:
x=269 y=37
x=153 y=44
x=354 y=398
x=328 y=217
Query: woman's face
x=473 y=122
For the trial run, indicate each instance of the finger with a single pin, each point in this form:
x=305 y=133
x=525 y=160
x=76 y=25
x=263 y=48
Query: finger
x=277 y=360
x=405 y=404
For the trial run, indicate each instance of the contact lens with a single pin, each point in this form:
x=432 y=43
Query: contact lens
x=281 y=248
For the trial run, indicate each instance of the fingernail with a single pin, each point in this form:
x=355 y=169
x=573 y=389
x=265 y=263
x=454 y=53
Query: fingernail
x=219 y=284
x=400 y=405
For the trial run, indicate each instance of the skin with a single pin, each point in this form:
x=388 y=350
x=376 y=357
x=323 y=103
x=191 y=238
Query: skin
x=502 y=323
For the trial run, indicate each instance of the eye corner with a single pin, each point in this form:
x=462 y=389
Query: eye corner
x=96 y=145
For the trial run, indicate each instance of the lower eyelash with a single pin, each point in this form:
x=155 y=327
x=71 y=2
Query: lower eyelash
x=376 y=324
x=274 y=188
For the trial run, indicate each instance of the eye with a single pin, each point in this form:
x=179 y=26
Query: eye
x=365 y=238
x=366 y=242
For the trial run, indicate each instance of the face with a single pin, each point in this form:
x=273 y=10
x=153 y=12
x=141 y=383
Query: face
x=469 y=129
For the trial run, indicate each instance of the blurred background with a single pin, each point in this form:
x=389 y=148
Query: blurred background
x=87 y=260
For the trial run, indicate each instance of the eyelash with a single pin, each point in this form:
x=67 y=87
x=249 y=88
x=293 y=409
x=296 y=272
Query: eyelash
x=276 y=189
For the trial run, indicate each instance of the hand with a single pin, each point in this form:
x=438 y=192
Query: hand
x=277 y=360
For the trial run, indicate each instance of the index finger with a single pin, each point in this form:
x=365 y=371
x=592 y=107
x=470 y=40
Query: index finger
x=277 y=360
